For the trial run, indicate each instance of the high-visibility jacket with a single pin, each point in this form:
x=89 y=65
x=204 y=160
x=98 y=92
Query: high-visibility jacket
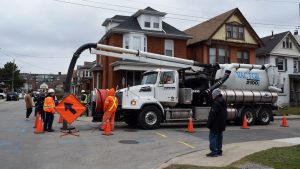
x=110 y=104
x=49 y=105
x=84 y=101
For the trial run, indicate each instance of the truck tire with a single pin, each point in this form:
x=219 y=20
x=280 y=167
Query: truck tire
x=1 y=97
x=250 y=115
x=150 y=118
x=264 y=116
x=131 y=121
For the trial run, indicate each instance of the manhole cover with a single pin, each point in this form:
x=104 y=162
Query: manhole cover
x=128 y=142
x=131 y=130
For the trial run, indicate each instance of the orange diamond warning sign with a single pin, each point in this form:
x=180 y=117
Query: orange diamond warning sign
x=70 y=108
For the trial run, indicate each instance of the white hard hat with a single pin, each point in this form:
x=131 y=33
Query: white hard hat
x=37 y=92
x=51 y=91
x=82 y=91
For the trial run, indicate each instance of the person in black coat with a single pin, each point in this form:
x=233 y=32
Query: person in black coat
x=216 y=123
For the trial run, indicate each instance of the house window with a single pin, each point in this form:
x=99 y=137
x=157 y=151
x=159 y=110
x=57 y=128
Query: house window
x=169 y=48
x=222 y=56
x=212 y=55
x=126 y=41
x=147 y=21
x=281 y=64
x=219 y=55
x=296 y=65
x=135 y=41
x=243 y=57
x=235 y=32
x=287 y=43
x=155 y=22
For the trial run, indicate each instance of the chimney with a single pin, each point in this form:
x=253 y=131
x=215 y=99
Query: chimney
x=296 y=32
x=59 y=73
x=272 y=34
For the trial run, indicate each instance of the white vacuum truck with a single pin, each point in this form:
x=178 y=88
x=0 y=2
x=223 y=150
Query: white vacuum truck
x=173 y=95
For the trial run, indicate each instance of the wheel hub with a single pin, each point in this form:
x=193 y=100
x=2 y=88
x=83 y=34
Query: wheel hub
x=151 y=118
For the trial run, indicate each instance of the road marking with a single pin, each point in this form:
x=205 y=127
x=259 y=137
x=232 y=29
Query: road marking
x=162 y=135
x=186 y=144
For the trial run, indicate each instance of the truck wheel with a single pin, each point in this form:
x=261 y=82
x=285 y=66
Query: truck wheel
x=150 y=118
x=264 y=116
x=131 y=121
x=1 y=97
x=250 y=115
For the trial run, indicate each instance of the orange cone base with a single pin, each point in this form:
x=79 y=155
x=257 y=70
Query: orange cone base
x=107 y=134
x=190 y=131
x=283 y=126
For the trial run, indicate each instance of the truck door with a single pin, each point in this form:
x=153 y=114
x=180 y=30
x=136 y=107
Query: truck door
x=166 y=90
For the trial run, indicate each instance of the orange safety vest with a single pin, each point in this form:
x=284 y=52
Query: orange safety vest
x=110 y=104
x=49 y=105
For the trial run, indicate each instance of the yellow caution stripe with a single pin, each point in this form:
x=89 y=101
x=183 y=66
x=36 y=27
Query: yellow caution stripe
x=162 y=135
x=186 y=144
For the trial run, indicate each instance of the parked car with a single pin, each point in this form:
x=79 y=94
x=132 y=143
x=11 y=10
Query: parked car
x=12 y=96
x=21 y=95
x=2 y=95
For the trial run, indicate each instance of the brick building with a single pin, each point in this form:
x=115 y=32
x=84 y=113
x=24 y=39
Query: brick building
x=145 y=30
x=226 y=38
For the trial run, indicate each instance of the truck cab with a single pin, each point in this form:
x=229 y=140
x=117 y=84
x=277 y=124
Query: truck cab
x=158 y=89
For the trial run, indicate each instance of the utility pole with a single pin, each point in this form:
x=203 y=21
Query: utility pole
x=13 y=76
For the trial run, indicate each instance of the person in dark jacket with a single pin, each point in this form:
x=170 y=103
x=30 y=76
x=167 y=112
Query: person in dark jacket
x=216 y=123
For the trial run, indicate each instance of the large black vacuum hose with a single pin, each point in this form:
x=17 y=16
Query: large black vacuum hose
x=71 y=69
x=219 y=83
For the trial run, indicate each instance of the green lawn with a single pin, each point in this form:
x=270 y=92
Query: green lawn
x=278 y=158
x=290 y=110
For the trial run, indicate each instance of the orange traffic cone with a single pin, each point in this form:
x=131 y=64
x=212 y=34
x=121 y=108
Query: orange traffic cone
x=107 y=130
x=190 y=128
x=60 y=120
x=36 y=119
x=39 y=126
x=245 y=124
x=284 y=122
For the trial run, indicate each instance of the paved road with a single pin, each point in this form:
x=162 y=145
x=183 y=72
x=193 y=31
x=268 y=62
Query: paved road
x=127 y=149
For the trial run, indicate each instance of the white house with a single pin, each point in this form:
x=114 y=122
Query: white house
x=283 y=50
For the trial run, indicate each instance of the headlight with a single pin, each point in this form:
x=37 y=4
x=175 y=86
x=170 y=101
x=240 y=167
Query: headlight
x=133 y=102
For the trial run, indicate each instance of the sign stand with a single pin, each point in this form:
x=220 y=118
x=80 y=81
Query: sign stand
x=69 y=131
x=70 y=109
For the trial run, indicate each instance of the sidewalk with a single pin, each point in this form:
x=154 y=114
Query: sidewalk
x=231 y=153
x=289 y=117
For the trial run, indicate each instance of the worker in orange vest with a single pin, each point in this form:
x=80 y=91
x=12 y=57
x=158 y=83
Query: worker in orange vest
x=49 y=110
x=109 y=108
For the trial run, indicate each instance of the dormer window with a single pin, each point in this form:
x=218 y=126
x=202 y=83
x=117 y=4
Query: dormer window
x=150 y=22
x=235 y=32
x=155 y=22
x=147 y=21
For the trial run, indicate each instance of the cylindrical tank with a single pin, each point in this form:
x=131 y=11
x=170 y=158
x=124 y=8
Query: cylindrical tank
x=245 y=79
x=101 y=94
x=247 y=96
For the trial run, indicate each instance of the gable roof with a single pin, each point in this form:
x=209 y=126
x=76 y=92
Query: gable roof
x=130 y=24
x=271 y=42
x=207 y=29
x=115 y=19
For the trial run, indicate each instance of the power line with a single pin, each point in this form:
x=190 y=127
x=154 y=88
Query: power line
x=43 y=57
x=184 y=19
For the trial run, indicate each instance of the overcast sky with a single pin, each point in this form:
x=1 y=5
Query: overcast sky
x=42 y=35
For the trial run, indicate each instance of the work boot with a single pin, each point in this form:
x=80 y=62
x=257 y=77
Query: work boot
x=51 y=130
x=212 y=155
